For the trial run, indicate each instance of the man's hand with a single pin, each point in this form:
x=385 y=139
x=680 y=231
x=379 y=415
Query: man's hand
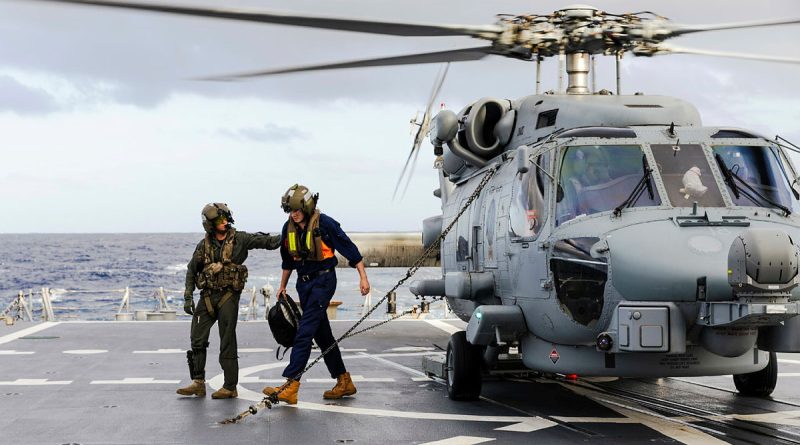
x=188 y=306
x=364 y=285
x=281 y=292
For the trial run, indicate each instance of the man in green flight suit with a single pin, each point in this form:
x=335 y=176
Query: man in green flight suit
x=217 y=269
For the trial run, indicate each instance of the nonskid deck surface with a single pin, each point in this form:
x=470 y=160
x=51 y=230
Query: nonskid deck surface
x=114 y=383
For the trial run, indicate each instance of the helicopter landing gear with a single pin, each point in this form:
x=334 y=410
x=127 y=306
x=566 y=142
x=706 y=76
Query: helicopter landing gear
x=463 y=368
x=759 y=383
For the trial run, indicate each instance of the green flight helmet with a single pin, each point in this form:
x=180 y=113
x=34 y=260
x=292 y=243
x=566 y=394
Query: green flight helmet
x=213 y=211
x=299 y=197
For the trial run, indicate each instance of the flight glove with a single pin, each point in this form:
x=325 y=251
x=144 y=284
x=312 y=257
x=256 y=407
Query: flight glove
x=188 y=305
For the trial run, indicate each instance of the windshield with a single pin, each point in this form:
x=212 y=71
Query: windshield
x=760 y=169
x=687 y=176
x=597 y=178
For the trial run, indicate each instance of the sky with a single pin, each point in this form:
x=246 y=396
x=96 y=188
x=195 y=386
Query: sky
x=103 y=129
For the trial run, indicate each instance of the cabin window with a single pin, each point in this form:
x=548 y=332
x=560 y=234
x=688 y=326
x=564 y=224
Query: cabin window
x=598 y=178
x=529 y=208
x=687 y=176
x=757 y=175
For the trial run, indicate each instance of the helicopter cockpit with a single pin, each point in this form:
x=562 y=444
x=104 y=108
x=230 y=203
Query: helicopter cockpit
x=598 y=178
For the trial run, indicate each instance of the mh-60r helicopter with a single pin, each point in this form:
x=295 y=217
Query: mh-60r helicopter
x=616 y=235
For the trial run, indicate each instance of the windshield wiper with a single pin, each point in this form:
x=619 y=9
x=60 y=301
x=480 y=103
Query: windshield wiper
x=731 y=178
x=636 y=193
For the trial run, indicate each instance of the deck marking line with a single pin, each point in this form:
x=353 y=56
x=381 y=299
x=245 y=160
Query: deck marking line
x=217 y=381
x=678 y=430
x=461 y=440
x=27 y=331
x=786 y=360
x=789 y=418
x=35 y=382
x=162 y=351
x=421 y=379
x=15 y=352
x=447 y=327
x=528 y=426
x=595 y=419
x=379 y=358
x=411 y=349
x=133 y=381
x=85 y=351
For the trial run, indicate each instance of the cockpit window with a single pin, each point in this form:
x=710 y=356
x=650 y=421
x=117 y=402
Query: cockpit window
x=597 y=178
x=687 y=176
x=758 y=176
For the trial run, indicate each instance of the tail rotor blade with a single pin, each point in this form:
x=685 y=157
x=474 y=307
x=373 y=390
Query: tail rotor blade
x=413 y=166
x=402 y=173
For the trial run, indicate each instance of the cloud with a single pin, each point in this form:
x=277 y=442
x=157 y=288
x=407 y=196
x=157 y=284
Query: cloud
x=21 y=99
x=268 y=132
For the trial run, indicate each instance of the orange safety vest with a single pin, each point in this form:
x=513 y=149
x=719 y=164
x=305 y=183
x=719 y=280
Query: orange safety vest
x=309 y=247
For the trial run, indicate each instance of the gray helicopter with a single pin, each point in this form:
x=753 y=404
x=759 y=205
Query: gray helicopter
x=608 y=234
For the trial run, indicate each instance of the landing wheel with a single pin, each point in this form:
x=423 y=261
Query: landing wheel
x=463 y=368
x=759 y=383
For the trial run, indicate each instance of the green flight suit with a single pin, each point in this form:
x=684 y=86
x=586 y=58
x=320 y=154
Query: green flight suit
x=228 y=313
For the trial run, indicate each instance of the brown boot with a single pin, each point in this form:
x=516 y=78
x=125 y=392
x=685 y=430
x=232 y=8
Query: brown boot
x=196 y=388
x=344 y=387
x=224 y=393
x=288 y=391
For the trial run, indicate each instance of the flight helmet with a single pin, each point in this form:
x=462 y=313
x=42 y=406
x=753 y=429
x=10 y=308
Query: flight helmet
x=299 y=197
x=213 y=211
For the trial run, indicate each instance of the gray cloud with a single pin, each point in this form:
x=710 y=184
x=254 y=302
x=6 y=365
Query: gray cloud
x=268 y=132
x=18 y=98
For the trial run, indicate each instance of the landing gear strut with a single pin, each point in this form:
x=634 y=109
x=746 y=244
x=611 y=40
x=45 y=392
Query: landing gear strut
x=463 y=367
x=759 y=383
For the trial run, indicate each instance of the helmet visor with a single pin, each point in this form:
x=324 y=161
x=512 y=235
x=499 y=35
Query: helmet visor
x=220 y=219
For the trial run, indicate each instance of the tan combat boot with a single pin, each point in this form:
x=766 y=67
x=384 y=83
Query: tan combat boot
x=288 y=391
x=196 y=388
x=224 y=393
x=344 y=387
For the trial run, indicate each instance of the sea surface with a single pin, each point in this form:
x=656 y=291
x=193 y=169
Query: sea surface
x=87 y=274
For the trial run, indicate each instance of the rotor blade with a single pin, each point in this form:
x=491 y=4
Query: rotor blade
x=455 y=55
x=403 y=172
x=687 y=29
x=670 y=49
x=342 y=24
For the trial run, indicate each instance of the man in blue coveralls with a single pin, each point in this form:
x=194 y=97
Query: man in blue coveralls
x=308 y=242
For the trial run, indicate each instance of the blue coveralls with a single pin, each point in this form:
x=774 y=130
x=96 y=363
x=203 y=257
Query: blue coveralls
x=315 y=291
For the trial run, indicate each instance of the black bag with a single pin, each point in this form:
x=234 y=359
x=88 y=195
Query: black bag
x=283 y=319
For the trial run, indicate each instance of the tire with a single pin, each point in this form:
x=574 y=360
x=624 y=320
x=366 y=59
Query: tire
x=463 y=368
x=759 y=383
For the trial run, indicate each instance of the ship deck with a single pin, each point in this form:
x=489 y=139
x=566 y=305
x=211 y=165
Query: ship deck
x=114 y=383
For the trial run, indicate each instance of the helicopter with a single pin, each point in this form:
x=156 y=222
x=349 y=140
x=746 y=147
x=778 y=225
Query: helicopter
x=608 y=234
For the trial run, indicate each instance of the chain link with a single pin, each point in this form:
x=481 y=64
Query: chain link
x=272 y=399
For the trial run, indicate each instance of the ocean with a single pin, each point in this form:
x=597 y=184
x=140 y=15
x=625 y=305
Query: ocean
x=87 y=274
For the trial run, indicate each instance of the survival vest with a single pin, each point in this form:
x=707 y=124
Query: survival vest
x=308 y=247
x=222 y=274
x=283 y=319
